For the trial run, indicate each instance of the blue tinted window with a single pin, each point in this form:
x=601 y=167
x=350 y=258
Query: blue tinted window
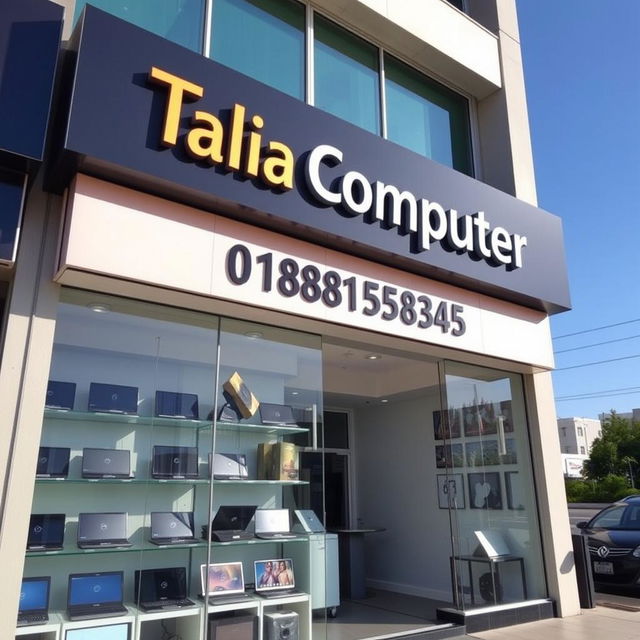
x=263 y=39
x=11 y=188
x=346 y=75
x=180 y=21
x=426 y=117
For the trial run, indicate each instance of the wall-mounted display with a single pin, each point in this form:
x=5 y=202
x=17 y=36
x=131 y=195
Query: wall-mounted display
x=485 y=491
x=451 y=491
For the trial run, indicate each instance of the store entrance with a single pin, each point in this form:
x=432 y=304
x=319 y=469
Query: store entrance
x=394 y=540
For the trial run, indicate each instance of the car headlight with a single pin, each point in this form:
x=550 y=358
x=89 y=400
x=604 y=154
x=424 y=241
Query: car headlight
x=636 y=552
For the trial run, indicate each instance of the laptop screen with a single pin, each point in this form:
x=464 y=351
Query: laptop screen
x=175 y=461
x=102 y=526
x=94 y=588
x=180 y=405
x=34 y=594
x=223 y=578
x=272 y=520
x=113 y=398
x=108 y=632
x=230 y=518
x=275 y=574
x=172 y=524
x=152 y=585
x=53 y=461
x=46 y=529
x=60 y=395
x=276 y=414
x=106 y=462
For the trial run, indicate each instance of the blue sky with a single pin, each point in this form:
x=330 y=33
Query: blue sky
x=582 y=73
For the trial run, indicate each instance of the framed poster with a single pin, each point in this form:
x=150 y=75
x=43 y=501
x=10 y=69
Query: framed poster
x=483 y=453
x=513 y=487
x=442 y=431
x=485 y=491
x=481 y=419
x=451 y=491
x=449 y=455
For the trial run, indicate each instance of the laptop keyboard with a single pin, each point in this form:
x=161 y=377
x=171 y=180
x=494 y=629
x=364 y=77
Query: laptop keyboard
x=33 y=618
x=162 y=604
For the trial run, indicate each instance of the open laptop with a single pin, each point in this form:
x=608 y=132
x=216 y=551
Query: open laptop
x=273 y=524
x=113 y=398
x=174 y=462
x=95 y=595
x=60 y=395
x=276 y=414
x=53 y=462
x=171 y=404
x=229 y=466
x=223 y=582
x=102 y=530
x=157 y=589
x=172 y=527
x=274 y=578
x=106 y=463
x=46 y=532
x=230 y=523
x=33 y=607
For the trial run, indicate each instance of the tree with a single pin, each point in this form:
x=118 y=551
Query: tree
x=616 y=451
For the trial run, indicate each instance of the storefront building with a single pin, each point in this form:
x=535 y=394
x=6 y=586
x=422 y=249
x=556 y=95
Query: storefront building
x=281 y=265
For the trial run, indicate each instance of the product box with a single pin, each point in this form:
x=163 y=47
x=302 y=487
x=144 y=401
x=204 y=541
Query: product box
x=284 y=461
x=246 y=403
x=264 y=460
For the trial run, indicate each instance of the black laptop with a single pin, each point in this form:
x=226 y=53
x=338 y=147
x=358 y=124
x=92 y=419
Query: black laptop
x=273 y=524
x=33 y=607
x=174 y=462
x=113 y=398
x=106 y=463
x=95 y=595
x=157 y=589
x=277 y=414
x=172 y=527
x=46 y=532
x=60 y=395
x=230 y=523
x=229 y=466
x=171 y=404
x=53 y=462
x=102 y=530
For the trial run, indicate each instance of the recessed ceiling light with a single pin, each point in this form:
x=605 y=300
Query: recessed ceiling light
x=253 y=335
x=295 y=393
x=99 y=308
x=373 y=356
x=384 y=401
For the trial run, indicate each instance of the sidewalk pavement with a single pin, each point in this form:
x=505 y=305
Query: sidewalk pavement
x=618 y=620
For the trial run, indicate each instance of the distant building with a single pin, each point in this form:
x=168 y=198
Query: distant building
x=577 y=434
x=633 y=415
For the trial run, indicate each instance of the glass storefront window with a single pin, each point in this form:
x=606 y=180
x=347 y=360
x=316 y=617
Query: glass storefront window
x=263 y=39
x=346 y=75
x=181 y=21
x=426 y=117
x=497 y=546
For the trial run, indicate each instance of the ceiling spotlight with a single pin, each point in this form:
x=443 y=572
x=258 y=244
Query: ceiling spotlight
x=384 y=401
x=99 y=308
x=295 y=393
x=253 y=335
x=373 y=356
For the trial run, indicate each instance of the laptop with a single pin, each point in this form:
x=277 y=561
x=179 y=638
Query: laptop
x=273 y=524
x=274 y=578
x=172 y=527
x=174 y=462
x=113 y=398
x=33 y=607
x=106 y=463
x=157 y=589
x=95 y=595
x=102 y=530
x=223 y=582
x=46 y=532
x=230 y=523
x=229 y=466
x=277 y=414
x=171 y=404
x=60 y=395
x=53 y=462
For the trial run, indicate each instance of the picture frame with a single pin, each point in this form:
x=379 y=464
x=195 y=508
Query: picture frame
x=447 y=431
x=449 y=456
x=480 y=419
x=485 y=490
x=482 y=453
x=451 y=491
x=514 y=491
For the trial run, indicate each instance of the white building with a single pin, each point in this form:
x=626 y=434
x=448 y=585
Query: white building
x=577 y=434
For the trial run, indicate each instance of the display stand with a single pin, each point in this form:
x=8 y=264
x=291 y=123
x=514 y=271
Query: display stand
x=48 y=631
x=299 y=602
x=187 y=621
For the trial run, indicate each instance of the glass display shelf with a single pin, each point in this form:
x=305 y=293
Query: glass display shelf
x=76 y=551
x=143 y=481
x=180 y=423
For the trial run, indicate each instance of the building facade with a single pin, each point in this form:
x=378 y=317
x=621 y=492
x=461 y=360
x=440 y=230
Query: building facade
x=300 y=239
x=577 y=434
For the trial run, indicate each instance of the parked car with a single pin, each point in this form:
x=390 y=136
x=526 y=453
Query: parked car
x=614 y=543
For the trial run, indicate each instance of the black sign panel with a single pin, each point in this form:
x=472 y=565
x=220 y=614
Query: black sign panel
x=29 y=42
x=120 y=126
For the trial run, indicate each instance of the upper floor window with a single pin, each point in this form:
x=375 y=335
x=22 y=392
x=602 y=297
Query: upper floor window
x=580 y=431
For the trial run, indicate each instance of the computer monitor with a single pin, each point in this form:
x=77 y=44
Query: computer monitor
x=274 y=575
x=222 y=578
x=88 y=589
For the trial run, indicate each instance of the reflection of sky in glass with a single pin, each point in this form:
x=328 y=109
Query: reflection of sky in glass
x=465 y=391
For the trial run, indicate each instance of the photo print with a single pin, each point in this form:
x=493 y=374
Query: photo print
x=484 y=490
x=447 y=424
x=449 y=455
x=451 y=491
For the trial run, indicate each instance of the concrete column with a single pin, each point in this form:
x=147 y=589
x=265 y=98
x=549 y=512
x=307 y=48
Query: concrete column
x=24 y=373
